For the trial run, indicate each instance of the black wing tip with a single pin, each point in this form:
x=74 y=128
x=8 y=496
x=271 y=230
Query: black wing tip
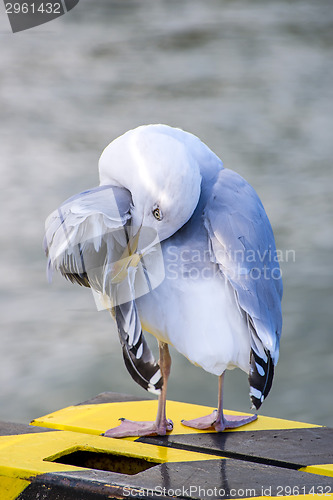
x=137 y=355
x=256 y=403
x=260 y=383
x=81 y=279
x=142 y=373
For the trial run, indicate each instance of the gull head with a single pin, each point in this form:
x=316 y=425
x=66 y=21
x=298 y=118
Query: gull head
x=157 y=164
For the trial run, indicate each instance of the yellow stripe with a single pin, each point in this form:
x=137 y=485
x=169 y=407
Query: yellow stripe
x=11 y=488
x=96 y=419
x=322 y=469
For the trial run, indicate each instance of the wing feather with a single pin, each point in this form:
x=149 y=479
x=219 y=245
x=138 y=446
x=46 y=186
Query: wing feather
x=138 y=357
x=242 y=245
x=84 y=237
x=85 y=231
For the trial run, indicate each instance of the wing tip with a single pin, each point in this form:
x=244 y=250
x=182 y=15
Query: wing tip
x=145 y=373
x=260 y=377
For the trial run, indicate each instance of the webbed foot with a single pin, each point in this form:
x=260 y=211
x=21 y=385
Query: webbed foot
x=211 y=422
x=129 y=428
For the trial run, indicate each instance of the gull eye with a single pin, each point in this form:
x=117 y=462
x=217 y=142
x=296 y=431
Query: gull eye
x=157 y=214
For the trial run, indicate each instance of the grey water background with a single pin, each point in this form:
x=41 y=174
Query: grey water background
x=253 y=80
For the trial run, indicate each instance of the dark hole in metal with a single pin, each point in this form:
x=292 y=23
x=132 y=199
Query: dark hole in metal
x=106 y=462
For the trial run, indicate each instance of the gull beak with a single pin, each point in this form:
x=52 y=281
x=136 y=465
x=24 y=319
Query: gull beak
x=129 y=258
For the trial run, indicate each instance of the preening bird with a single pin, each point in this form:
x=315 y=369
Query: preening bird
x=174 y=244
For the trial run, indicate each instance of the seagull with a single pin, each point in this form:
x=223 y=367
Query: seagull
x=174 y=244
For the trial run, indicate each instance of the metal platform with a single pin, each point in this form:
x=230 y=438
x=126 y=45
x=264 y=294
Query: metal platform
x=62 y=456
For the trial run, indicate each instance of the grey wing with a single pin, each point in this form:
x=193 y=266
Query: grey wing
x=84 y=237
x=242 y=245
x=86 y=232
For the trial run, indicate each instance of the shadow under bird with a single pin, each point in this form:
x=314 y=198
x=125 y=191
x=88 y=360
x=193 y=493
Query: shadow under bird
x=173 y=243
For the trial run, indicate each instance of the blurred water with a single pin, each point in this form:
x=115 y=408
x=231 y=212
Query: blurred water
x=252 y=79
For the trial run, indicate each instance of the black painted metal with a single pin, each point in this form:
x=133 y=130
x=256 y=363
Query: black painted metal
x=111 y=397
x=289 y=448
x=12 y=429
x=225 y=478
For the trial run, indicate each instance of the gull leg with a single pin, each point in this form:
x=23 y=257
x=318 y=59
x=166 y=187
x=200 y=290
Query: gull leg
x=162 y=425
x=217 y=420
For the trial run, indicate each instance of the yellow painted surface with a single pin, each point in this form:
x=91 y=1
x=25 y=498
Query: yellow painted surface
x=24 y=456
x=322 y=469
x=10 y=488
x=27 y=455
x=97 y=418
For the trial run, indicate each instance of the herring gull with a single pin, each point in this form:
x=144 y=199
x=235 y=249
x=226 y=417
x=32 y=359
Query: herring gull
x=174 y=244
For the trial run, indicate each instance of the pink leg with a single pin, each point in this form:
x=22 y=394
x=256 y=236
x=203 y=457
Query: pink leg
x=162 y=425
x=216 y=420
